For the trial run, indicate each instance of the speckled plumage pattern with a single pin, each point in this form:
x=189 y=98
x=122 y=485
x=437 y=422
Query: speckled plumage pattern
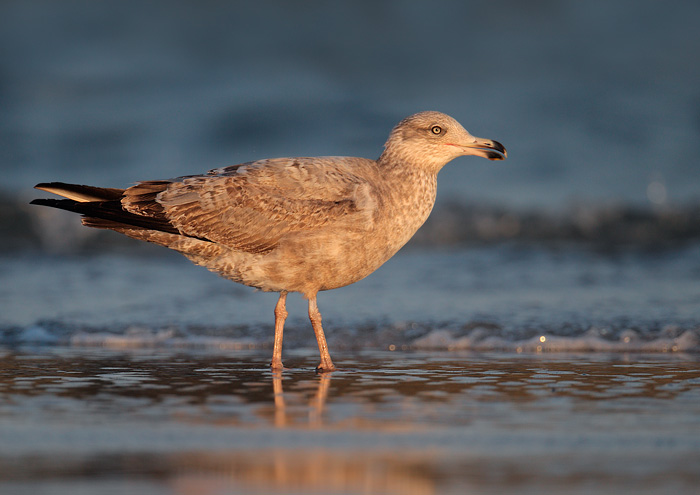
x=290 y=224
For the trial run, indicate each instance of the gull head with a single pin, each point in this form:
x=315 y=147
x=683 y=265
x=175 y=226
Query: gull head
x=432 y=139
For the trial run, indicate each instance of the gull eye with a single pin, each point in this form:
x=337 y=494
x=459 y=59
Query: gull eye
x=436 y=129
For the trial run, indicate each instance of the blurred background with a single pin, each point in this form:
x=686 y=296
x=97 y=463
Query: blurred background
x=598 y=103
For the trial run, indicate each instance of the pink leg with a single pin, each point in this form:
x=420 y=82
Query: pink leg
x=315 y=317
x=280 y=316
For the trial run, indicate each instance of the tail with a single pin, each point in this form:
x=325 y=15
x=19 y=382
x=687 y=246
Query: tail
x=101 y=208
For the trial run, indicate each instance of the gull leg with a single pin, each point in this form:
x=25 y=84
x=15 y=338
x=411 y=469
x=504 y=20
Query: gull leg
x=280 y=316
x=315 y=317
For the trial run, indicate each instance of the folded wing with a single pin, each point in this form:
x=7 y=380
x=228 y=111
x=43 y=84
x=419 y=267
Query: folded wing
x=251 y=207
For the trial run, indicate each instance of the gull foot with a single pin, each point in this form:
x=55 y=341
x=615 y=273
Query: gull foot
x=321 y=368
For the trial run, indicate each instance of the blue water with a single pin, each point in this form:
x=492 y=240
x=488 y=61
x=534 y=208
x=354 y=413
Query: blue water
x=595 y=101
x=497 y=297
x=597 y=105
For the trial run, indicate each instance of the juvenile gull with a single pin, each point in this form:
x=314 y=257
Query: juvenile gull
x=290 y=224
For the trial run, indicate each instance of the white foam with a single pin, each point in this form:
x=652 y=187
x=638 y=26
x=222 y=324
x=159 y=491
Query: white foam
x=143 y=337
x=627 y=340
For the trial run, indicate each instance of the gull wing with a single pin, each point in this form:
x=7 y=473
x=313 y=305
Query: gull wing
x=251 y=207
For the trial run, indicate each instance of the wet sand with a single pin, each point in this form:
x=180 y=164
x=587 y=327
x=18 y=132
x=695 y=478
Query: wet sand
x=92 y=420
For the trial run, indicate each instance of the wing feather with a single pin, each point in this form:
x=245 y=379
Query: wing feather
x=251 y=207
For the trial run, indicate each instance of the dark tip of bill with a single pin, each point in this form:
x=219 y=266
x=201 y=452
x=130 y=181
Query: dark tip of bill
x=500 y=148
x=494 y=155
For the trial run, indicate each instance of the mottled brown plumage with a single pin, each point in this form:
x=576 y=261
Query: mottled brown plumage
x=290 y=224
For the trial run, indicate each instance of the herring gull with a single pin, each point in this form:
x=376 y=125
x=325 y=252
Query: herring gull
x=289 y=224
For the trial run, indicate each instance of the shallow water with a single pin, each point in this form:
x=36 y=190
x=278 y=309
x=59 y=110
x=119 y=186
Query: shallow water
x=94 y=420
x=521 y=369
x=500 y=297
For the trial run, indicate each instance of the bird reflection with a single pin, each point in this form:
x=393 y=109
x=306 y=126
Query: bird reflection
x=379 y=432
x=316 y=405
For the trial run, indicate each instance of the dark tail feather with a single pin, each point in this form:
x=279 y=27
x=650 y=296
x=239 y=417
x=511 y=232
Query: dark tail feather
x=81 y=193
x=101 y=223
x=111 y=211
